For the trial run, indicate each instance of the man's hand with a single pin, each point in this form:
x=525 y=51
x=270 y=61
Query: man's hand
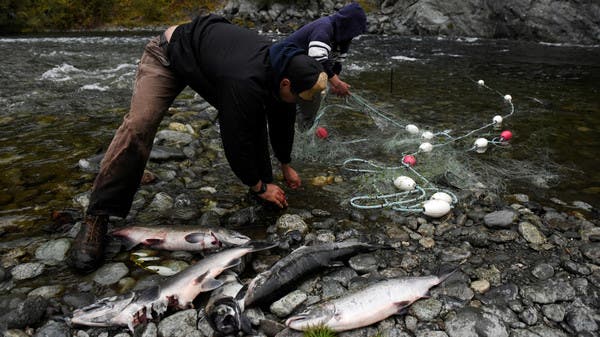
x=292 y=179
x=274 y=194
x=339 y=87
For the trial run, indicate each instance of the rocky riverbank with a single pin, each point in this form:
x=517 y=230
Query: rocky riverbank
x=524 y=269
x=575 y=22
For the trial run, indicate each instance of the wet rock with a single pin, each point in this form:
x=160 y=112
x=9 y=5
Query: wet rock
x=173 y=137
x=531 y=233
x=341 y=275
x=180 y=324
x=204 y=326
x=27 y=271
x=363 y=263
x=324 y=236
x=503 y=235
x=161 y=203
x=592 y=252
x=501 y=295
x=427 y=242
x=291 y=222
x=270 y=327
x=458 y=290
x=50 y=291
x=454 y=254
x=576 y=268
x=426 y=229
x=543 y=271
x=472 y=322
x=504 y=313
x=492 y=274
x=110 y=273
x=288 y=303
x=77 y=299
x=583 y=205
x=529 y=316
x=163 y=153
x=410 y=261
x=430 y=333
x=26 y=312
x=243 y=217
x=53 y=329
x=320 y=212
x=500 y=219
x=3 y=274
x=590 y=234
x=537 y=331
x=15 y=333
x=411 y=322
x=549 y=291
x=254 y=315
x=581 y=318
x=149 y=330
x=287 y=332
x=331 y=289
x=554 y=312
x=426 y=309
x=53 y=252
x=559 y=221
x=480 y=286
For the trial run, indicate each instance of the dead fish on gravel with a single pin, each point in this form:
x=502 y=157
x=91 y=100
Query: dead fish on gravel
x=370 y=305
x=188 y=238
x=270 y=284
x=177 y=291
x=224 y=309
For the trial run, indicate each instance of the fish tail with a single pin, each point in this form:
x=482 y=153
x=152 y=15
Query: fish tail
x=443 y=276
x=257 y=246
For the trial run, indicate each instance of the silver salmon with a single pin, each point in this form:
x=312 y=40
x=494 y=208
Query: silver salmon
x=190 y=238
x=224 y=309
x=367 y=306
x=178 y=292
x=271 y=284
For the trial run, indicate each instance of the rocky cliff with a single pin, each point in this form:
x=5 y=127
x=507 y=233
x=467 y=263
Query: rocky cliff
x=561 y=21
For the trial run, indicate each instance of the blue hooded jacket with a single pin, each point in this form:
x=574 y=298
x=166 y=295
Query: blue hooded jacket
x=327 y=39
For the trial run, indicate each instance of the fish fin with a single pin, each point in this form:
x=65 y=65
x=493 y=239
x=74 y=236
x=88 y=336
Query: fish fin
x=210 y=283
x=195 y=237
x=445 y=275
x=401 y=306
x=153 y=242
x=241 y=293
x=233 y=263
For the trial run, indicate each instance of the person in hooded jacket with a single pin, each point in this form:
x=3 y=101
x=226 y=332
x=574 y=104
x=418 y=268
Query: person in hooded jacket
x=328 y=39
x=253 y=83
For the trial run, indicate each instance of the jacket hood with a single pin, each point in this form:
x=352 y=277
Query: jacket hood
x=349 y=22
x=280 y=54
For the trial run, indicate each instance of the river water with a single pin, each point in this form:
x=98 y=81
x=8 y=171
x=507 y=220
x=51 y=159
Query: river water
x=62 y=97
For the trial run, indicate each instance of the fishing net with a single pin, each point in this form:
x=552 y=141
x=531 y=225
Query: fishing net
x=446 y=160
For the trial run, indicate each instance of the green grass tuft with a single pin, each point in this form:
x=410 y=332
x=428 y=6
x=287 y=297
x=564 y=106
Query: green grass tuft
x=319 y=331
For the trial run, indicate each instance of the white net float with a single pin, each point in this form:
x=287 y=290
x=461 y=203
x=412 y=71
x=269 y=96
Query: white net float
x=405 y=183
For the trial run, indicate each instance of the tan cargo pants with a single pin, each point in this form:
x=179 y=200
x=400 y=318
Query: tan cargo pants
x=123 y=164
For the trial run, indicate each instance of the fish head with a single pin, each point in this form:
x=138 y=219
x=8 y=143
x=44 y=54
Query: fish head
x=229 y=237
x=105 y=312
x=313 y=317
x=226 y=317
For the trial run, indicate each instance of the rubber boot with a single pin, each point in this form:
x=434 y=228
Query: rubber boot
x=87 y=251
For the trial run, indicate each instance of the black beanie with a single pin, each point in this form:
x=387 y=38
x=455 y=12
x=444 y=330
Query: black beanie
x=303 y=72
